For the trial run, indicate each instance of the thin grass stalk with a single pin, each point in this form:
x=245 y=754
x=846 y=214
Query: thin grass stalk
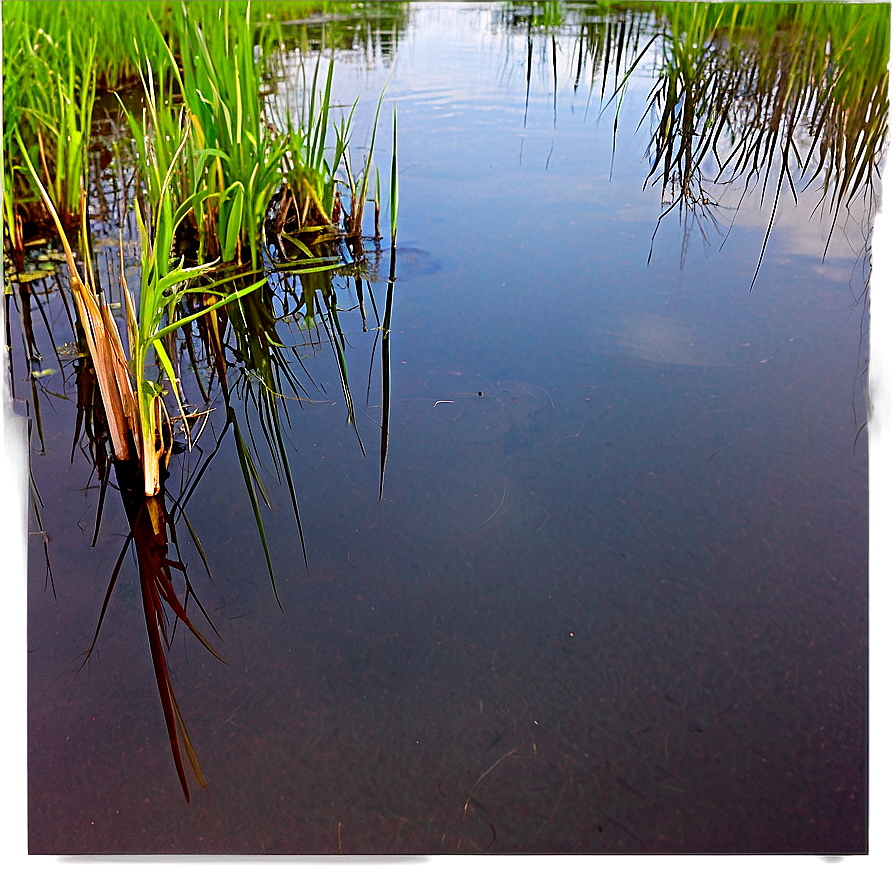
x=393 y=180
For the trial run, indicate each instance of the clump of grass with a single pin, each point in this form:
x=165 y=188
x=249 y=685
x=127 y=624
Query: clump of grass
x=221 y=83
x=209 y=165
x=310 y=166
x=135 y=417
x=55 y=56
x=50 y=101
x=354 y=218
x=211 y=60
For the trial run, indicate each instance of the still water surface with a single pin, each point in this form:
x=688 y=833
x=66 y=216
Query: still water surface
x=614 y=598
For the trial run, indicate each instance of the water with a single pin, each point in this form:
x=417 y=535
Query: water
x=617 y=602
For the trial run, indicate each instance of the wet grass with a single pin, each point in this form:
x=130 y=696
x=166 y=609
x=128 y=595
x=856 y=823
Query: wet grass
x=311 y=185
x=56 y=116
x=210 y=58
x=222 y=88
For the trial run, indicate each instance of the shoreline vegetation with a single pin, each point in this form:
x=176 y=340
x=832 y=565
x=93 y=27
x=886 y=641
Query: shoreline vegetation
x=232 y=212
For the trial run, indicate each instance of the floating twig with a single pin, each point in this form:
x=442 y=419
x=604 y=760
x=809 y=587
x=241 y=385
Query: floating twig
x=479 y=780
x=497 y=508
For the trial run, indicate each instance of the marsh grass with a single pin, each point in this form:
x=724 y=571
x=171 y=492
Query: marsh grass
x=311 y=169
x=55 y=57
x=214 y=248
x=221 y=83
x=56 y=54
x=134 y=417
x=58 y=117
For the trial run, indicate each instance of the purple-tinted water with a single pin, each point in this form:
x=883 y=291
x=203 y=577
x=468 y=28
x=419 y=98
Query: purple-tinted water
x=615 y=603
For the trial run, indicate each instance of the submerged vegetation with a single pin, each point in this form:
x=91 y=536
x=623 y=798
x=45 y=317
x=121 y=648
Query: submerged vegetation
x=236 y=214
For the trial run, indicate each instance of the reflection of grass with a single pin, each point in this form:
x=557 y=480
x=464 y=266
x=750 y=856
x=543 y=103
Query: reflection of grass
x=768 y=93
x=771 y=92
x=318 y=25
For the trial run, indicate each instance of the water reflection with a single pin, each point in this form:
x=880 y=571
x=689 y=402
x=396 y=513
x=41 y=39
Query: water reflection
x=613 y=598
x=779 y=97
x=371 y=32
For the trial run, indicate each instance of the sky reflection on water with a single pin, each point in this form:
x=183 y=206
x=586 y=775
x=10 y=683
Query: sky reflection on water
x=615 y=603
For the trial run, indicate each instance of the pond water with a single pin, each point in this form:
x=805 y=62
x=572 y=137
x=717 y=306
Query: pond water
x=614 y=596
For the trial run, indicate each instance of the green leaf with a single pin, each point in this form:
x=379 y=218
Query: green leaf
x=231 y=220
